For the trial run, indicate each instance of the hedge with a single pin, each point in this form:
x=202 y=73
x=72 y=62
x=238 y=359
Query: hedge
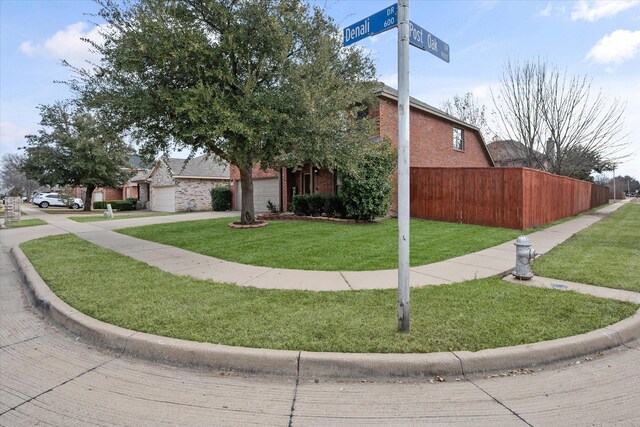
x=221 y=198
x=118 y=205
x=317 y=204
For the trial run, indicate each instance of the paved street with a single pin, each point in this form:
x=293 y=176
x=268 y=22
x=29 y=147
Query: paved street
x=50 y=377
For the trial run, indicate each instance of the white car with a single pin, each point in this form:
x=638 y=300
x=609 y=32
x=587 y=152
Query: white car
x=44 y=200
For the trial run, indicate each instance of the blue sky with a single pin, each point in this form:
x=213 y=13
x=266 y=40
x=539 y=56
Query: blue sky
x=598 y=38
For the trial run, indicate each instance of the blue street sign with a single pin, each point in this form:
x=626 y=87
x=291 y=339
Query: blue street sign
x=423 y=39
x=377 y=23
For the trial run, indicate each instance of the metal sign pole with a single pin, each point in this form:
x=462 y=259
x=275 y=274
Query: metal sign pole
x=403 y=165
x=408 y=34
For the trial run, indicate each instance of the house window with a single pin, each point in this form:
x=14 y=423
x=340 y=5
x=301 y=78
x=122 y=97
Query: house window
x=458 y=139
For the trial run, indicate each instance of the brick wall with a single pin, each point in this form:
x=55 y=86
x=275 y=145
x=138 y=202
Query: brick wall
x=143 y=194
x=161 y=176
x=323 y=182
x=112 y=193
x=196 y=191
x=431 y=139
x=257 y=173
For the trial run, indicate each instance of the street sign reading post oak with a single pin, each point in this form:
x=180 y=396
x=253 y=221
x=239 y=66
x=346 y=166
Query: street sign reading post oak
x=423 y=39
x=377 y=23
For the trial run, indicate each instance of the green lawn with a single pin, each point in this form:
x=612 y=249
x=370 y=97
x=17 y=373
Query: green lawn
x=328 y=246
x=474 y=315
x=25 y=223
x=606 y=254
x=116 y=216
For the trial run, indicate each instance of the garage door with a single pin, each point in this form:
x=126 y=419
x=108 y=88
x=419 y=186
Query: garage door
x=263 y=191
x=163 y=199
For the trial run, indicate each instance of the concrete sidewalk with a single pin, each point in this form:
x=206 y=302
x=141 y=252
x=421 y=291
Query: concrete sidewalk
x=489 y=262
x=309 y=365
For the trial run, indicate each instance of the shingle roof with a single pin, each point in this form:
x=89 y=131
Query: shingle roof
x=201 y=167
x=510 y=152
x=507 y=150
x=141 y=175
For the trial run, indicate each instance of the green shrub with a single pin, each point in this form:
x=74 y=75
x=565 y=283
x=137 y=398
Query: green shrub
x=316 y=204
x=366 y=193
x=333 y=206
x=272 y=207
x=221 y=198
x=300 y=205
x=116 y=205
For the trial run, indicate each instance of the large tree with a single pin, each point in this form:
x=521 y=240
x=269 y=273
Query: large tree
x=566 y=127
x=76 y=147
x=13 y=178
x=262 y=82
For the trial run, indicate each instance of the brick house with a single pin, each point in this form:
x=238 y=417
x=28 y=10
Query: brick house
x=437 y=140
x=173 y=185
x=128 y=190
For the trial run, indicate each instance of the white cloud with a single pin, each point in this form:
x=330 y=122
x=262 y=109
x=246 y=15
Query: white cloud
x=27 y=48
x=66 y=44
x=546 y=11
x=593 y=10
x=552 y=9
x=617 y=47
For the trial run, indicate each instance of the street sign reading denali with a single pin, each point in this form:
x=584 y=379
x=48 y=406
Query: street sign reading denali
x=377 y=23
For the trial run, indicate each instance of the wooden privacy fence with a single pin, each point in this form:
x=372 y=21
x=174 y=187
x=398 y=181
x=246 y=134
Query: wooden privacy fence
x=518 y=198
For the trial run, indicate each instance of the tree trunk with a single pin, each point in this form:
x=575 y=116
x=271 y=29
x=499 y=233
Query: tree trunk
x=247 y=210
x=87 y=198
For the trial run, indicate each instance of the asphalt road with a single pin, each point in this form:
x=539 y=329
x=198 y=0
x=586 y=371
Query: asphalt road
x=48 y=377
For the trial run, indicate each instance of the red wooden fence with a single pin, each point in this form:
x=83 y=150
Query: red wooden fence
x=517 y=198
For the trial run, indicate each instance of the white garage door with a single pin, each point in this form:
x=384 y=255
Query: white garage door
x=263 y=191
x=164 y=199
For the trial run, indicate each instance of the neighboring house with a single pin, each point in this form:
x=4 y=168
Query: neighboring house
x=173 y=185
x=510 y=154
x=437 y=140
x=128 y=190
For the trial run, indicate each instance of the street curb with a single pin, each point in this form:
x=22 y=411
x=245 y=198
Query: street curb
x=311 y=365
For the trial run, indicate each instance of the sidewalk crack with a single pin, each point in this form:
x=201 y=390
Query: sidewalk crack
x=346 y=281
x=500 y=403
x=58 y=386
x=246 y=283
x=20 y=342
x=295 y=391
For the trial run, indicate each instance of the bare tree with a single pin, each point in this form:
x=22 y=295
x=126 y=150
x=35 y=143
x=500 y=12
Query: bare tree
x=565 y=128
x=518 y=108
x=468 y=109
x=585 y=131
x=13 y=178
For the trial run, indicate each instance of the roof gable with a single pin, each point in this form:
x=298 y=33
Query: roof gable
x=205 y=166
x=390 y=93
